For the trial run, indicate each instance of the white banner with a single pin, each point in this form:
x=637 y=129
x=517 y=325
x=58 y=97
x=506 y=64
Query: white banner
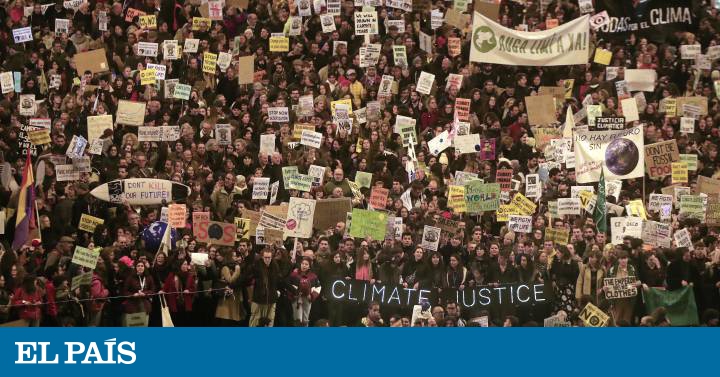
x=619 y=153
x=567 y=44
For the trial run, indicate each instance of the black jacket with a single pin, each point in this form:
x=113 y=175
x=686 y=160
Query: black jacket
x=267 y=280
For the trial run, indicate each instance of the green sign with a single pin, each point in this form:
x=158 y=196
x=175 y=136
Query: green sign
x=692 y=206
x=301 y=182
x=368 y=223
x=481 y=197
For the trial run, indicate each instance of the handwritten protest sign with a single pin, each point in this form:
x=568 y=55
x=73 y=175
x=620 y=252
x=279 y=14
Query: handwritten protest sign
x=660 y=156
x=89 y=223
x=620 y=287
x=86 y=257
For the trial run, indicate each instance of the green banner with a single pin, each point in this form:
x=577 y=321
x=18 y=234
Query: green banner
x=680 y=305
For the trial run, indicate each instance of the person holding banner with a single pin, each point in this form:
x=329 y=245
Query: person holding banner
x=622 y=309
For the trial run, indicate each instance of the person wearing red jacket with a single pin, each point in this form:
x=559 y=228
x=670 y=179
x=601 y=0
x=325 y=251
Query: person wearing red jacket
x=98 y=293
x=302 y=281
x=28 y=299
x=140 y=286
x=186 y=277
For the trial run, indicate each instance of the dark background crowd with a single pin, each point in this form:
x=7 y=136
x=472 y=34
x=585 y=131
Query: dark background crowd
x=288 y=284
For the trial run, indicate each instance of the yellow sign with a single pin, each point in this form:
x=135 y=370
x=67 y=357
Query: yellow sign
x=279 y=44
x=636 y=208
x=679 y=172
x=40 y=137
x=456 y=198
x=523 y=204
x=558 y=235
x=88 y=223
x=201 y=23
x=298 y=128
x=592 y=316
x=670 y=107
x=586 y=197
x=345 y=101
x=504 y=211
x=209 y=62
x=603 y=56
x=148 y=22
x=147 y=76
x=568 y=85
x=242 y=227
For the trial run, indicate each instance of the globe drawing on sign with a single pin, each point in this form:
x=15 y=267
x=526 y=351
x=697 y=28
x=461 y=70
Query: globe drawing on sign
x=484 y=39
x=621 y=156
x=153 y=234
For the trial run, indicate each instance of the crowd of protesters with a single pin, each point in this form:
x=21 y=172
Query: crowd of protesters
x=287 y=284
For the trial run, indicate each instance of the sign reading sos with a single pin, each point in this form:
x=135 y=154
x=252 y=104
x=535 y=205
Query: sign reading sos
x=213 y=232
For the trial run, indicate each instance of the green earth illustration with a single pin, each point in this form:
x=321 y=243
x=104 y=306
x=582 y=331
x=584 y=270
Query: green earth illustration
x=484 y=39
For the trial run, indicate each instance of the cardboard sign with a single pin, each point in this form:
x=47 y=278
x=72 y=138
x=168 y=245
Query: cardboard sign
x=213 y=232
x=540 y=109
x=707 y=185
x=329 y=212
x=679 y=172
x=246 y=69
x=712 y=212
x=131 y=113
x=659 y=158
x=94 y=61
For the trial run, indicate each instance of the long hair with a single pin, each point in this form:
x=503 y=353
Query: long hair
x=28 y=284
x=361 y=262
